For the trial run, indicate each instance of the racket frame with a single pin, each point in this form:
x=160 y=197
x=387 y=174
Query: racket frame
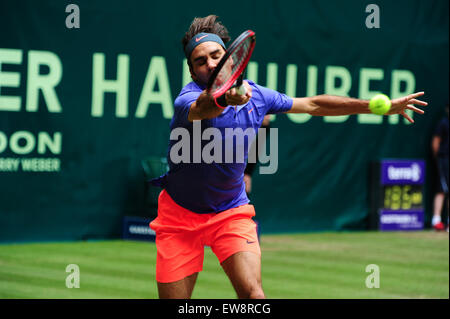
x=231 y=81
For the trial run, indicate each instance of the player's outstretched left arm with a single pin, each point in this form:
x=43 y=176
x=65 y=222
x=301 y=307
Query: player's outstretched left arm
x=326 y=105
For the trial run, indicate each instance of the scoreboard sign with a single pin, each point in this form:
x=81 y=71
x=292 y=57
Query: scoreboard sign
x=398 y=195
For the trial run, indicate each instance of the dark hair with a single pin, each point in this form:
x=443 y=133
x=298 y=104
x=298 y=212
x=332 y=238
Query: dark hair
x=209 y=24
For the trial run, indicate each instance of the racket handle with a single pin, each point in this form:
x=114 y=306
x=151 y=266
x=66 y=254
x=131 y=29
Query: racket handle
x=241 y=90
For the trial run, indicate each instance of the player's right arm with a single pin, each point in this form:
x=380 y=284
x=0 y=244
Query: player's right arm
x=205 y=107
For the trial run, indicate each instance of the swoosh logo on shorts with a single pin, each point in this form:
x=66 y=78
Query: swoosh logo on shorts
x=251 y=242
x=198 y=39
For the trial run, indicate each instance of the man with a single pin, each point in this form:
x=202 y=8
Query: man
x=439 y=145
x=205 y=204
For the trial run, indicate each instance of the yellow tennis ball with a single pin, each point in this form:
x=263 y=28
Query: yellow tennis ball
x=380 y=104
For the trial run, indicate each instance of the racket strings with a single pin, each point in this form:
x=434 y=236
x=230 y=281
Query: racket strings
x=232 y=65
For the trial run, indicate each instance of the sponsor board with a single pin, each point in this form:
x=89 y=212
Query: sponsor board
x=137 y=228
x=397 y=220
x=402 y=172
x=400 y=203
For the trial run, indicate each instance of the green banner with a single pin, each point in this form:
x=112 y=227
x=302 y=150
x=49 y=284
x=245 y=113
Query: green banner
x=87 y=91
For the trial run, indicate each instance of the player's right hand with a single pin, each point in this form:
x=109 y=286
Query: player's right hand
x=234 y=98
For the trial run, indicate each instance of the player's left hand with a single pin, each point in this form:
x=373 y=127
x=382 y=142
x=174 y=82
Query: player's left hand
x=400 y=105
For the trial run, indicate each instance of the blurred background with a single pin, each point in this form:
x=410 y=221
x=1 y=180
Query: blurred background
x=86 y=98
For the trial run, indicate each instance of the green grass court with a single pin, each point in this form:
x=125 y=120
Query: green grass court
x=304 y=266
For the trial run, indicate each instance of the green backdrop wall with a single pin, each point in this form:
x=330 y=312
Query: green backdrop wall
x=81 y=107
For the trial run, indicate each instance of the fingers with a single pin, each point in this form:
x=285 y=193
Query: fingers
x=418 y=102
x=406 y=116
x=234 y=98
x=415 y=109
x=231 y=96
x=414 y=95
x=406 y=103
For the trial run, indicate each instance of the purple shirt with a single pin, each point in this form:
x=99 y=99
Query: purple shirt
x=214 y=187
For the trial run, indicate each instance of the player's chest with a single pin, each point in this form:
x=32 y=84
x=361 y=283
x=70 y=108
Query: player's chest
x=244 y=116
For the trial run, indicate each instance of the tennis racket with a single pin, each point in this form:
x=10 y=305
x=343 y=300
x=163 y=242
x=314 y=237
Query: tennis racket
x=229 y=72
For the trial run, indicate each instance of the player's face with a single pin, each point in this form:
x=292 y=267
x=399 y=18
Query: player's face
x=204 y=59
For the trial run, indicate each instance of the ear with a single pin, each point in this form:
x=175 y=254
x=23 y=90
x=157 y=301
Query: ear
x=193 y=76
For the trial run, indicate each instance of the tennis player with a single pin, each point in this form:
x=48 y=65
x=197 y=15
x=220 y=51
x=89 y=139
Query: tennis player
x=205 y=204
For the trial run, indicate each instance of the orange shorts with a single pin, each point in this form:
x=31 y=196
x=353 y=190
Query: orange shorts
x=181 y=236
